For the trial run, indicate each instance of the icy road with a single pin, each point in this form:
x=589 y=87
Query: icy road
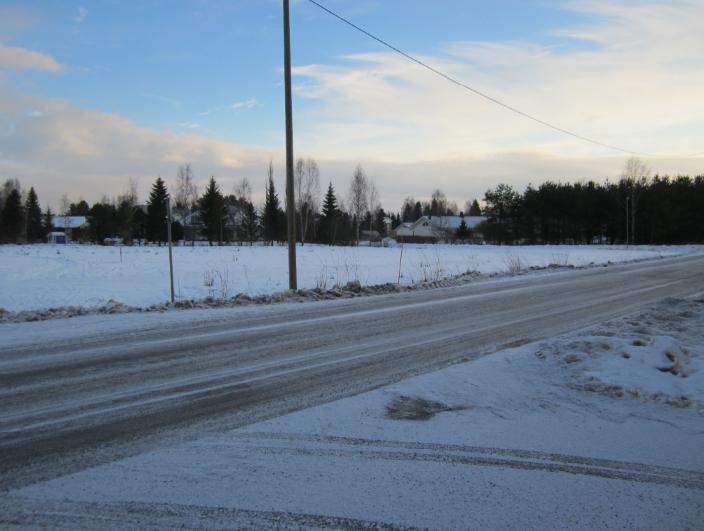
x=78 y=392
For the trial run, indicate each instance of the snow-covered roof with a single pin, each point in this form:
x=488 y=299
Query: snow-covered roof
x=453 y=222
x=68 y=222
x=233 y=217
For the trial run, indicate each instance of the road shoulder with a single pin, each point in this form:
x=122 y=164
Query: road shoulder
x=600 y=428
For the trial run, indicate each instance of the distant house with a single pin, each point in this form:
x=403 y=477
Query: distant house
x=70 y=226
x=192 y=225
x=57 y=237
x=432 y=229
x=194 y=228
x=69 y=222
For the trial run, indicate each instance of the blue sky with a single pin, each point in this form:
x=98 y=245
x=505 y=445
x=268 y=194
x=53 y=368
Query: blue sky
x=178 y=64
x=209 y=73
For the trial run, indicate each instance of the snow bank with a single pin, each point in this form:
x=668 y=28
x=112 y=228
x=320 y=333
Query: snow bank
x=647 y=356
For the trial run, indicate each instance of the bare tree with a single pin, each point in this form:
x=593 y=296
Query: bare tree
x=635 y=174
x=358 y=196
x=186 y=189
x=306 y=179
x=131 y=194
x=243 y=190
x=373 y=203
x=65 y=205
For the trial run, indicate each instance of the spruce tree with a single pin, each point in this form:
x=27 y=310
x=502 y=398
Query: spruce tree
x=102 y=221
x=380 y=222
x=271 y=217
x=82 y=208
x=474 y=210
x=330 y=214
x=330 y=203
x=462 y=233
x=12 y=216
x=212 y=212
x=47 y=224
x=33 y=220
x=156 y=212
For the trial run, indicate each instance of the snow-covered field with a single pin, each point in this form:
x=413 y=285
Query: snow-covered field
x=600 y=429
x=48 y=276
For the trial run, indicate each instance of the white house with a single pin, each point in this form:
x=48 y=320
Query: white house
x=66 y=225
x=436 y=228
x=57 y=237
x=69 y=222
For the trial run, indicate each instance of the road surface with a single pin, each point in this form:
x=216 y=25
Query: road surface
x=85 y=399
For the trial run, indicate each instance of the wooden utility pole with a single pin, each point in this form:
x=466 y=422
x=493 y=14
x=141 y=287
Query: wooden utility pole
x=627 y=218
x=290 y=199
x=168 y=233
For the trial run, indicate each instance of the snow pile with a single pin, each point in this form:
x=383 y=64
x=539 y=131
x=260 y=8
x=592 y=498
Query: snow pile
x=648 y=357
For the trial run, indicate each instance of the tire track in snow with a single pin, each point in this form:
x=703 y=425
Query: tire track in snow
x=356 y=448
x=65 y=514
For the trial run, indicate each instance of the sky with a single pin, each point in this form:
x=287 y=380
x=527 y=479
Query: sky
x=93 y=93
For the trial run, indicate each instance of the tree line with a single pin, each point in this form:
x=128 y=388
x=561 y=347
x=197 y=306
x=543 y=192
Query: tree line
x=634 y=209
x=213 y=215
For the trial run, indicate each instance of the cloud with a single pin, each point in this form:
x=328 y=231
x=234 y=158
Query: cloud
x=246 y=104
x=81 y=16
x=638 y=86
x=60 y=148
x=16 y=58
x=637 y=83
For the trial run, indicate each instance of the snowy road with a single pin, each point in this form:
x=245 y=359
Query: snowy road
x=74 y=395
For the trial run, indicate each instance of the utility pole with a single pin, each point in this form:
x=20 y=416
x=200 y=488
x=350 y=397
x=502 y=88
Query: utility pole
x=290 y=199
x=168 y=233
x=633 y=214
x=627 y=218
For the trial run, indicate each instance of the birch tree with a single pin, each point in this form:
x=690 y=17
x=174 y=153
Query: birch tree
x=306 y=178
x=635 y=174
x=359 y=188
x=186 y=189
x=373 y=203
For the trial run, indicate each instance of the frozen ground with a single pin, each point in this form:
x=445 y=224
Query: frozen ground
x=49 y=276
x=598 y=429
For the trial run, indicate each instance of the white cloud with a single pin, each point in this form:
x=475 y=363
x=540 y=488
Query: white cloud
x=637 y=86
x=16 y=58
x=189 y=125
x=59 y=148
x=246 y=104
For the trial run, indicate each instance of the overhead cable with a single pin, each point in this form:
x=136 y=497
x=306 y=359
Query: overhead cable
x=471 y=89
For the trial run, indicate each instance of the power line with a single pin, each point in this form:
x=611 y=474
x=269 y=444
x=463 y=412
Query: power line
x=471 y=89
